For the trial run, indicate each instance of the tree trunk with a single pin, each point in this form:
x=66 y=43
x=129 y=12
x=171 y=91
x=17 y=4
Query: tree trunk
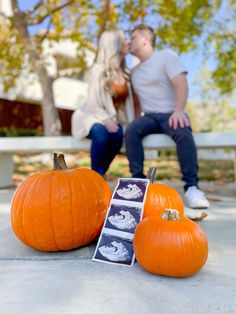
x=51 y=120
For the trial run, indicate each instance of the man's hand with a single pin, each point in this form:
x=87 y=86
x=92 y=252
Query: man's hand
x=178 y=118
x=111 y=125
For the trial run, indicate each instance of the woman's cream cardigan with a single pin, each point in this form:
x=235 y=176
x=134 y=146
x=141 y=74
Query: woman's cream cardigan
x=99 y=106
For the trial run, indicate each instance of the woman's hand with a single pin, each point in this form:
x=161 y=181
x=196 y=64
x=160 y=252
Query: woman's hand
x=111 y=125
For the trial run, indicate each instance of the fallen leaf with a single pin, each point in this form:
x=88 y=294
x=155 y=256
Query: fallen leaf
x=200 y=218
x=214 y=199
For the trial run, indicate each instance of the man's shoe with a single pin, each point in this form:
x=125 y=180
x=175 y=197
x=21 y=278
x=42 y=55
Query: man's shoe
x=196 y=198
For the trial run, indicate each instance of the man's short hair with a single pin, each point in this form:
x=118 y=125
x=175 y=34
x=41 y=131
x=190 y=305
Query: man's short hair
x=146 y=29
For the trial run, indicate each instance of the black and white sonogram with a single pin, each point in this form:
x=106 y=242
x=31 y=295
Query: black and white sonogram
x=123 y=218
x=115 y=250
x=131 y=190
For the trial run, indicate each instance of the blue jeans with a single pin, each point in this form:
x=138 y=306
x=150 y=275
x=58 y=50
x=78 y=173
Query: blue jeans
x=105 y=146
x=158 y=123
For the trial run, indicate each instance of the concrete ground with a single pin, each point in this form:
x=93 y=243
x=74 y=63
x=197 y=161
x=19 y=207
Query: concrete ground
x=33 y=282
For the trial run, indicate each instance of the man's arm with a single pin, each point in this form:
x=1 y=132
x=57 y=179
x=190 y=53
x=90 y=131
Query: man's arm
x=179 y=118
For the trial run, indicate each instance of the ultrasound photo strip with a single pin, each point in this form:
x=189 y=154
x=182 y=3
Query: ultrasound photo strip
x=115 y=244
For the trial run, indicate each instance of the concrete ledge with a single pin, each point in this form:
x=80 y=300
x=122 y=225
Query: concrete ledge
x=154 y=141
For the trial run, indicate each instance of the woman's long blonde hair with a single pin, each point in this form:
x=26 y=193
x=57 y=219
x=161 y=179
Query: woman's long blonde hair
x=108 y=54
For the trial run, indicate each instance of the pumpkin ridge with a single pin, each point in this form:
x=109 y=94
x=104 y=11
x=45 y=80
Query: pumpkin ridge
x=94 y=199
x=50 y=209
x=71 y=211
x=23 y=203
x=32 y=186
x=84 y=212
x=98 y=208
x=20 y=201
x=26 y=198
x=97 y=203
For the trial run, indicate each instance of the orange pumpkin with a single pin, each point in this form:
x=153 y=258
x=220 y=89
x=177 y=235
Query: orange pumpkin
x=170 y=245
x=61 y=209
x=159 y=197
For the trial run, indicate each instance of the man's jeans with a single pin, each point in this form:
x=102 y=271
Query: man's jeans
x=158 y=123
x=105 y=146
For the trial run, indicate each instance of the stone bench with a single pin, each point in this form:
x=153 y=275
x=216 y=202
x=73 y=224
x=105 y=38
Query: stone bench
x=154 y=142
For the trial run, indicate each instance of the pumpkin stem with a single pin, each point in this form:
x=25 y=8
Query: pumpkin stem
x=152 y=174
x=59 y=161
x=170 y=214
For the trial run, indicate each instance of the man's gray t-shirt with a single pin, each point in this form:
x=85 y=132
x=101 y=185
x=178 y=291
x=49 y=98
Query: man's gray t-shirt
x=151 y=81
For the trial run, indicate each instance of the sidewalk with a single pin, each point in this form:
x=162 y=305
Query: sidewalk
x=34 y=282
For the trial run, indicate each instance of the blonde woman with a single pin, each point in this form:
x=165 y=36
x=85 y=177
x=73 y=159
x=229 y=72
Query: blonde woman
x=109 y=103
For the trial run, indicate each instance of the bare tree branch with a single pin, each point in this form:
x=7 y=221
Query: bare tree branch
x=39 y=19
x=106 y=11
x=35 y=8
x=46 y=31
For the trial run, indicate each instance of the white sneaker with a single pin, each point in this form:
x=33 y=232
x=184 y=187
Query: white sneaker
x=196 y=198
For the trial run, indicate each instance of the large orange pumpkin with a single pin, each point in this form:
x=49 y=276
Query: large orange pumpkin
x=170 y=245
x=159 y=197
x=61 y=209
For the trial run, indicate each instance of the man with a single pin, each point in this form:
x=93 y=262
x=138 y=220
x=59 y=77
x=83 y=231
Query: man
x=159 y=81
